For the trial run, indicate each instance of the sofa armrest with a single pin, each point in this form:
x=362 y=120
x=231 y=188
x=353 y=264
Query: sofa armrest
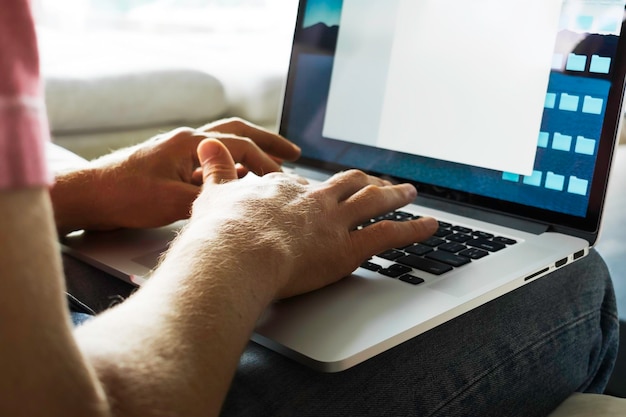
x=591 y=405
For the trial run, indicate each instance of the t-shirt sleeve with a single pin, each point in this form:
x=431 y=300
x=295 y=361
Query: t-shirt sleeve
x=23 y=120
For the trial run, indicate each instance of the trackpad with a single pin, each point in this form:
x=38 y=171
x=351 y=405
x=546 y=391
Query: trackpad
x=150 y=259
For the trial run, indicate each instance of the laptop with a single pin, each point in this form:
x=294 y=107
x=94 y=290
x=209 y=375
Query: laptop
x=504 y=115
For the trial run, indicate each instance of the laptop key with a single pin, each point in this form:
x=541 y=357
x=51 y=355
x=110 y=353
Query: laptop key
x=451 y=247
x=504 y=240
x=462 y=229
x=485 y=244
x=390 y=255
x=443 y=232
x=433 y=242
x=386 y=216
x=402 y=215
x=411 y=279
x=371 y=266
x=474 y=253
x=369 y=223
x=459 y=238
x=418 y=249
x=394 y=271
x=448 y=258
x=483 y=235
x=426 y=265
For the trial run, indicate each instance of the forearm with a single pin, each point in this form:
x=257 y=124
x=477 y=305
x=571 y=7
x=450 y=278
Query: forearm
x=42 y=368
x=171 y=349
x=178 y=360
x=78 y=201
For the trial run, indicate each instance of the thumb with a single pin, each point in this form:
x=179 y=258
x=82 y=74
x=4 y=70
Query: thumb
x=217 y=163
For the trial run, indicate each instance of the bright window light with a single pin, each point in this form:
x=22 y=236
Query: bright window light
x=167 y=15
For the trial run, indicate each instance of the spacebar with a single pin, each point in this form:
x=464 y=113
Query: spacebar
x=426 y=265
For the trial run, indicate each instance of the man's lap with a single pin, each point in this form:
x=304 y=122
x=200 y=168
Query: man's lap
x=522 y=354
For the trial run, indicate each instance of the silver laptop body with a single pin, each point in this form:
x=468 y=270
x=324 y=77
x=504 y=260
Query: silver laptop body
x=383 y=87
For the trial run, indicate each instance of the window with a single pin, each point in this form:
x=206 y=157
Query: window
x=168 y=15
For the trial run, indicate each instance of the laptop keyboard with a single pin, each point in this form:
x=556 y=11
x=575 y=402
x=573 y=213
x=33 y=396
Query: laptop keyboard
x=451 y=247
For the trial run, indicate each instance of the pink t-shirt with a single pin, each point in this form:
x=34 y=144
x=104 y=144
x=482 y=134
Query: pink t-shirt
x=23 y=121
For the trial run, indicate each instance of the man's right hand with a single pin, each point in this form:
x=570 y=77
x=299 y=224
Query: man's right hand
x=297 y=236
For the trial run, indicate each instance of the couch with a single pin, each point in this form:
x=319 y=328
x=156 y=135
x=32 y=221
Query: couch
x=134 y=85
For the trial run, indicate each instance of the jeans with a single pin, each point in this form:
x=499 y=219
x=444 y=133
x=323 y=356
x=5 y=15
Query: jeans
x=519 y=355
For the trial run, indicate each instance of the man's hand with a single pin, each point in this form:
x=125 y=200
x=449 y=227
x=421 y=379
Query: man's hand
x=155 y=183
x=301 y=236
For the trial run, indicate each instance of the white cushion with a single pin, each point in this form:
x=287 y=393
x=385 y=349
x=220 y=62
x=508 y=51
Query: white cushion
x=256 y=99
x=86 y=72
x=591 y=405
x=122 y=100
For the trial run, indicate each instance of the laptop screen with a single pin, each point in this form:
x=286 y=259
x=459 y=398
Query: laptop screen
x=508 y=105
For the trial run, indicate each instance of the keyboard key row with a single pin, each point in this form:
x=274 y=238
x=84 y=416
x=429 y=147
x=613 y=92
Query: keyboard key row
x=450 y=247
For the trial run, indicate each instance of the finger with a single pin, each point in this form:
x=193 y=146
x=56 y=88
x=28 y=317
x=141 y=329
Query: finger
x=182 y=143
x=345 y=184
x=243 y=150
x=196 y=177
x=269 y=142
x=373 y=201
x=384 y=235
x=248 y=154
x=216 y=162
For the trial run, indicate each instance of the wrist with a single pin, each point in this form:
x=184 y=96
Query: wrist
x=228 y=256
x=77 y=198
